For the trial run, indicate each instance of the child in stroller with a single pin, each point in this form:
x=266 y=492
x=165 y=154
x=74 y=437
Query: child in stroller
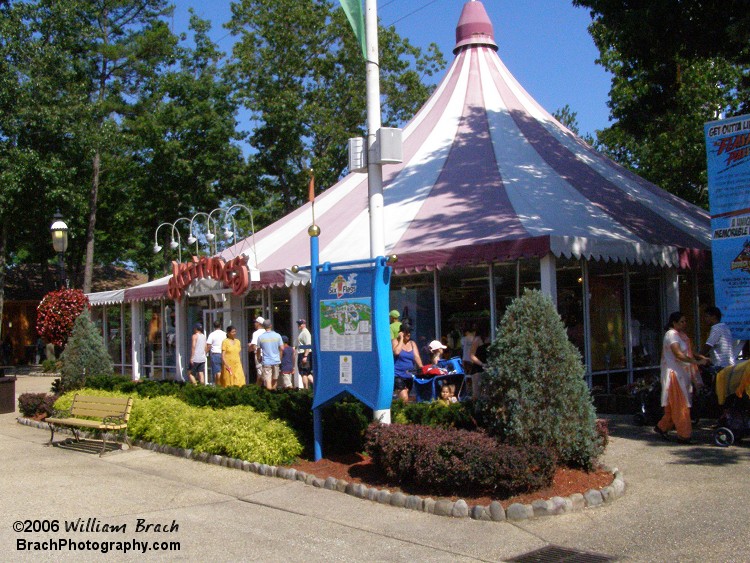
x=732 y=388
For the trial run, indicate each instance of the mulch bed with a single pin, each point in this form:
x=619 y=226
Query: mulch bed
x=356 y=468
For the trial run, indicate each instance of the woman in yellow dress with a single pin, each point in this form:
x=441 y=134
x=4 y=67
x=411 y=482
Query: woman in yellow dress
x=231 y=365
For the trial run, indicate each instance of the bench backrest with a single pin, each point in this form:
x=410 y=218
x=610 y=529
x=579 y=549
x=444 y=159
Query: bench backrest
x=101 y=407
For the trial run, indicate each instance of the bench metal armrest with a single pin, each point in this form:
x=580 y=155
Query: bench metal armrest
x=117 y=419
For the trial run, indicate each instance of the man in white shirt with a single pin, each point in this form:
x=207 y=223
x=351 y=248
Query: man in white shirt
x=256 y=351
x=719 y=346
x=304 y=354
x=213 y=349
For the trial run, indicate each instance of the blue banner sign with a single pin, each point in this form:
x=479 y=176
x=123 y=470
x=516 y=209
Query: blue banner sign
x=728 y=151
x=350 y=322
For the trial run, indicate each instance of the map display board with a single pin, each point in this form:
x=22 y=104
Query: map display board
x=350 y=325
x=728 y=152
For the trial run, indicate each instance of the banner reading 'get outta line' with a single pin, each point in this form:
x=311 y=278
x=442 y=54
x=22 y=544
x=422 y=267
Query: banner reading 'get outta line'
x=728 y=152
x=233 y=274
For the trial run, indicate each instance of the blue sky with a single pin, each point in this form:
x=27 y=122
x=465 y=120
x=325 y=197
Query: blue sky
x=544 y=43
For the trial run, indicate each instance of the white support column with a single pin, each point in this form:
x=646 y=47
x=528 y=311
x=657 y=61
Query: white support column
x=181 y=358
x=298 y=308
x=493 y=301
x=436 y=298
x=136 y=320
x=548 y=272
x=671 y=292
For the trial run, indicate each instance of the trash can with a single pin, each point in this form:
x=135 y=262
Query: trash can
x=7 y=394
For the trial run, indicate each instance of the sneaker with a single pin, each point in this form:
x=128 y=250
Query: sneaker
x=660 y=432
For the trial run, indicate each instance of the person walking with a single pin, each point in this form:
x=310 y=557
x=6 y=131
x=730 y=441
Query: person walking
x=213 y=349
x=719 y=346
x=231 y=371
x=254 y=350
x=678 y=372
x=197 y=355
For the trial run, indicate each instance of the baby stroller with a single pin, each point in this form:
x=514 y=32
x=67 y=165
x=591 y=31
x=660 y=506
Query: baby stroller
x=732 y=388
x=649 y=407
x=428 y=384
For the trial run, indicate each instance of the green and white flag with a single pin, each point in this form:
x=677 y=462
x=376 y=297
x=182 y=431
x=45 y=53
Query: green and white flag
x=356 y=17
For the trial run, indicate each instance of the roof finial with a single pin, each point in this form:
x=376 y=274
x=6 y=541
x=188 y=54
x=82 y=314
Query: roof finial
x=474 y=27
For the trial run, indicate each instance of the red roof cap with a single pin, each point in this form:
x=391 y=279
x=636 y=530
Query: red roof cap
x=474 y=27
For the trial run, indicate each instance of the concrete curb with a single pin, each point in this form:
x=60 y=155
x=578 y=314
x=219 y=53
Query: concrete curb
x=441 y=507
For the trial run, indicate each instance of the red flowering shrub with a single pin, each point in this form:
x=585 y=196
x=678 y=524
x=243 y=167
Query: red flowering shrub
x=450 y=461
x=57 y=312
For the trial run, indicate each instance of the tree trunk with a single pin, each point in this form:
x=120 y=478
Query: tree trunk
x=93 y=195
x=3 y=246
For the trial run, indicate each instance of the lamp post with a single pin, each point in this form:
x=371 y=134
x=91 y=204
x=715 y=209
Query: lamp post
x=173 y=244
x=192 y=239
x=231 y=234
x=60 y=243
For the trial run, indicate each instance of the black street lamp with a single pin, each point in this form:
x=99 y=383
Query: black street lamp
x=60 y=243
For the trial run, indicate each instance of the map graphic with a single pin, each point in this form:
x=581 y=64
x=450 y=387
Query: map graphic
x=346 y=325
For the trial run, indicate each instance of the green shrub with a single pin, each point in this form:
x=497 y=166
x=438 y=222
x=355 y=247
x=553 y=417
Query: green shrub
x=50 y=366
x=84 y=355
x=455 y=415
x=534 y=392
x=239 y=432
x=450 y=461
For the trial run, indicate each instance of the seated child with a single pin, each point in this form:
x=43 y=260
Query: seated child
x=448 y=395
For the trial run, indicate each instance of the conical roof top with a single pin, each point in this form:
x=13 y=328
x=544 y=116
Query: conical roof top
x=489 y=175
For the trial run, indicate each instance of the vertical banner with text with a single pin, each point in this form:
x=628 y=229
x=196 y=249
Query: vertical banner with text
x=728 y=152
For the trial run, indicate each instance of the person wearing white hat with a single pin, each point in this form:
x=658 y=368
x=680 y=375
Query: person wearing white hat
x=436 y=351
x=255 y=350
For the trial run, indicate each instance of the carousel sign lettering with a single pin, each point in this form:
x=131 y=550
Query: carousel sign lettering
x=233 y=274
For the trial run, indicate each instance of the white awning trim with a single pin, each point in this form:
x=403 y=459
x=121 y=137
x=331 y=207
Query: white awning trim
x=99 y=298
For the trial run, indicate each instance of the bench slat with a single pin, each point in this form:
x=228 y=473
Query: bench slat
x=85 y=423
x=99 y=412
x=119 y=401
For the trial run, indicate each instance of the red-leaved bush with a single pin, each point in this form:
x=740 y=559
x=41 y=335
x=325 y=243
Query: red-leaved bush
x=35 y=404
x=450 y=461
x=57 y=312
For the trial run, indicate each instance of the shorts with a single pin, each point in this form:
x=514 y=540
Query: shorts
x=197 y=367
x=215 y=366
x=400 y=383
x=270 y=374
x=305 y=368
x=286 y=379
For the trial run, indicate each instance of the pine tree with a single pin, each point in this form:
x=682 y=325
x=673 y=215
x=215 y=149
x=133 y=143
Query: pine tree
x=84 y=355
x=534 y=390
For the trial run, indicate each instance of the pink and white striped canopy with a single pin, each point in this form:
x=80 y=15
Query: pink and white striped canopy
x=489 y=175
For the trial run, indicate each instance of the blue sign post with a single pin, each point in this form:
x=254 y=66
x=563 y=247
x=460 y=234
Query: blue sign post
x=351 y=343
x=728 y=152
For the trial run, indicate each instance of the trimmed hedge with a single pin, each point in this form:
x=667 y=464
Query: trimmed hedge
x=455 y=415
x=450 y=461
x=33 y=404
x=239 y=431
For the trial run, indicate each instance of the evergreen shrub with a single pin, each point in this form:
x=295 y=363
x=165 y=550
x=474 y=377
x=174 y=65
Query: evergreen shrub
x=533 y=390
x=451 y=461
x=35 y=404
x=83 y=356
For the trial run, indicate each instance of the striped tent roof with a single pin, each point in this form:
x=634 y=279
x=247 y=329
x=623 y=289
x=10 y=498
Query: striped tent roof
x=488 y=175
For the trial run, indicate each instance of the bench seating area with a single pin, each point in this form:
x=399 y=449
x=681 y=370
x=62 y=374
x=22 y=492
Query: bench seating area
x=111 y=414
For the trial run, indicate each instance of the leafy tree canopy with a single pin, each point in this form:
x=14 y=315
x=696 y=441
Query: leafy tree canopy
x=675 y=64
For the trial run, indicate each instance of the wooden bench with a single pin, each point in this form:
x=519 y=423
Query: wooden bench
x=111 y=415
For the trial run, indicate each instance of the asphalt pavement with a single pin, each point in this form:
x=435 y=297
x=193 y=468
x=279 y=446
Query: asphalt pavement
x=682 y=503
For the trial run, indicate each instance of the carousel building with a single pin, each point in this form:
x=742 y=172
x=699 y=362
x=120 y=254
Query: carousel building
x=493 y=196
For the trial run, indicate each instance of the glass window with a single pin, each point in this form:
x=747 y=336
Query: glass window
x=646 y=329
x=282 y=311
x=127 y=332
x=607 y=310
x=464 y=304
x=414 y=297
x=114 y=336
x=154 y=357
x=570 y=300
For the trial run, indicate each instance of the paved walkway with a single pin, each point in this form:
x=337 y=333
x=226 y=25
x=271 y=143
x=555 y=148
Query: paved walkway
x=686 y=503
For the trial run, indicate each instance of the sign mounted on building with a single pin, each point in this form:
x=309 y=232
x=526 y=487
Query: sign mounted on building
x=233 y=274
x=728 y=151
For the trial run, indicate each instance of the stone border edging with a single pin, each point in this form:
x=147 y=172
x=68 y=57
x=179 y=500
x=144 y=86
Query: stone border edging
x=441 y=507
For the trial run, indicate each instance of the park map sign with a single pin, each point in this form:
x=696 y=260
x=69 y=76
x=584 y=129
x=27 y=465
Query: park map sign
x=728 y=151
